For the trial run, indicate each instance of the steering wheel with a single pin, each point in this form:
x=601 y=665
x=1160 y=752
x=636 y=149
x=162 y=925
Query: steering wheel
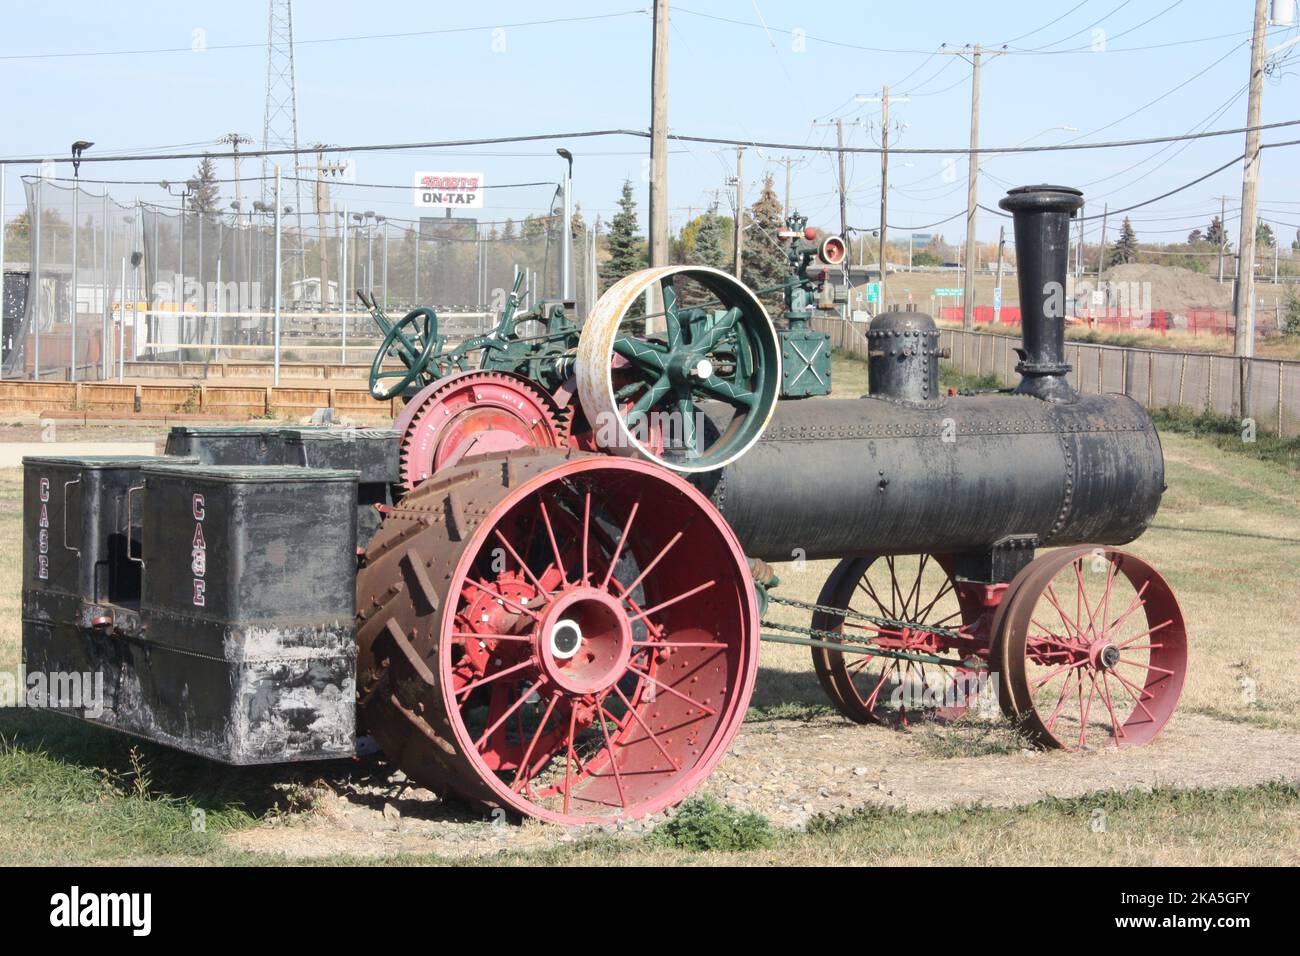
x=413 y=351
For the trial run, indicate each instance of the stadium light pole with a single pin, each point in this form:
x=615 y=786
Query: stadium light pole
x=566 y=240
x=79 y=147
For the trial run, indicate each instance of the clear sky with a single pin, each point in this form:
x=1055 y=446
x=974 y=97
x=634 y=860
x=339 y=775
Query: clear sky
x=1109 y=69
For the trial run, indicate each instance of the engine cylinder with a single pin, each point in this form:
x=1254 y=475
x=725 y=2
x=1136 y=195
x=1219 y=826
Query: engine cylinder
x=838 y=478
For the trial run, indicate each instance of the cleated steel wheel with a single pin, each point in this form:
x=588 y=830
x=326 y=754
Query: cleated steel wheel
x=1093 y=649
x=644 y=394
x=933 y=676
x=471 y=414
x=565 y=636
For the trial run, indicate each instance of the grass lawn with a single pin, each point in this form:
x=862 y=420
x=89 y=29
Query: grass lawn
x=1227 y=538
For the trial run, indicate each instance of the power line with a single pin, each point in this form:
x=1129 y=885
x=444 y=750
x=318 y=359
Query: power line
x=903 y=50
x=1045 y=25
x=679 y=137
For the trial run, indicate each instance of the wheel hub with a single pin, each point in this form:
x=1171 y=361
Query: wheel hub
x=585 y=641
x=1104 y=655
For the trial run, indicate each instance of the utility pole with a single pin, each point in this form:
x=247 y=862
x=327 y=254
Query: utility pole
x=997 y=300
x=882 y=257
x=1101 y=253
x=844 y=203
x=838 y=123
x=975 y=56
x=324 y=169
x=658 y=228
x=1243 y=300
x=235 y=140
x=1078 y=257
x=788 y=162
x=738 y=230
x=1223 y=232
x=659 y=138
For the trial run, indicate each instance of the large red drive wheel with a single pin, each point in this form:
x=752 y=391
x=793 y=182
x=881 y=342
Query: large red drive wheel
x=1093 y=649
x=566 y=636
x=933 y=676
x=471 y=414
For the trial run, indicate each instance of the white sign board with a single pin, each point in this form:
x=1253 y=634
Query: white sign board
x=449 y=190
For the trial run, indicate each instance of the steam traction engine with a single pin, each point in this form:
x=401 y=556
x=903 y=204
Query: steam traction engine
x=563 y=545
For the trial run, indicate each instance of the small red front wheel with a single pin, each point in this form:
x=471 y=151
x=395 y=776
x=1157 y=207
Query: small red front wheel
x=1093 y=649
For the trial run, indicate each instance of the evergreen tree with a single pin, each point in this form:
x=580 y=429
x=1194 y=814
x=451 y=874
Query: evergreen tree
x=577 y=223
x=1216 y=235
x=1264 y=235
x=205 y=191
x=764 y=263
x=1195 y=236
x=1295 y=245
x=709 y=250
x=1126 y=249
x=625 y=247
x=532 y=228
x=508 y=230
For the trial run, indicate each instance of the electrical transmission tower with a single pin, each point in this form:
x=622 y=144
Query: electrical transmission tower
x=280 y=120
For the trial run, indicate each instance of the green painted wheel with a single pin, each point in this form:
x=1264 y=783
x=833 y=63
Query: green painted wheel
x=415 y=341
x=691 y=388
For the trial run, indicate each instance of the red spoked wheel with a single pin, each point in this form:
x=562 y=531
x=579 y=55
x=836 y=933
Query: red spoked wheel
x=1093 y=649
x=475 y=413
x=565 y=636
x=910 y=674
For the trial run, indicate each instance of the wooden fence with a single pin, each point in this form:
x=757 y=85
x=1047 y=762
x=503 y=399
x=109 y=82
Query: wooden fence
x=1156 y=378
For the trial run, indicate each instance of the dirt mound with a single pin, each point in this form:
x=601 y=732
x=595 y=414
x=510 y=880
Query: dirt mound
x=1173 y=288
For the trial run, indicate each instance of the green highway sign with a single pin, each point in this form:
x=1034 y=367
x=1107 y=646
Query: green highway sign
x=873 y=291
x=943 y=292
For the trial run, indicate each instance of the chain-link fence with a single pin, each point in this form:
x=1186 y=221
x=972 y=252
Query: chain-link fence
x=109 y=285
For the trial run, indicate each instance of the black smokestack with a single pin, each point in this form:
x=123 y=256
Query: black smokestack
x=1042 y=225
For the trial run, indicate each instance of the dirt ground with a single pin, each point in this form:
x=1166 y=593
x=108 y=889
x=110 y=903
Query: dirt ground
x=788 y=771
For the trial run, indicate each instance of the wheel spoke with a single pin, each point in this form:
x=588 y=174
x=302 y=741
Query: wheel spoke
x=520 y=561
x=478 y=744
x=1116 y=726
x=1072 y=630
x=532 y=745
x=1078 y=573
x=1085 y=707
x=472 y=636
x=613 y=757
x=653 y=394
x=650 y=567
x=1137 y=603
x=1060 y=701
x=513 y=668
x=685 y=409
x=672 y=763
x=618 y=548
x=550 y=533
x=1137 y=697
x=586 y=534
x=671 y=601
x=865 y=586
x=568 y=758
x=1150 y=630
x=719 y=388
x=674 y=691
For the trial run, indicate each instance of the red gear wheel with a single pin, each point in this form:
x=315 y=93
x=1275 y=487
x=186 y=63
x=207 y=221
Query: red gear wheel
x=475 y=413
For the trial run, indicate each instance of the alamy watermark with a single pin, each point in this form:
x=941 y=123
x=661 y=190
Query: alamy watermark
x=62 y=690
